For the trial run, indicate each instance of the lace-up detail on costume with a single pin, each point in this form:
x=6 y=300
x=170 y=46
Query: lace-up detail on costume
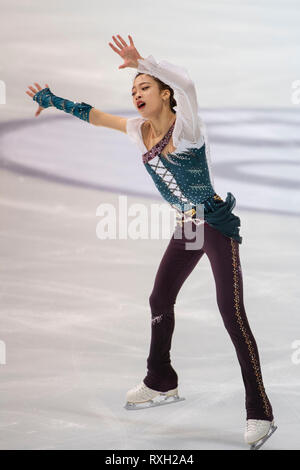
x=159 y=168
x=169 y=179
x=180 y=182
x=184 y=177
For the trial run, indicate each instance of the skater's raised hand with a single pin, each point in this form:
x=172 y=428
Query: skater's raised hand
x=32 y=92
x=128 y=53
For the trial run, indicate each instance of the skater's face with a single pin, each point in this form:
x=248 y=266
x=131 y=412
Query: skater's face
x=145 y=89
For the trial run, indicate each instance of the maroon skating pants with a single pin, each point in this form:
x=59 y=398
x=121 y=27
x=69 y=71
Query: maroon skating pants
x=176 y=265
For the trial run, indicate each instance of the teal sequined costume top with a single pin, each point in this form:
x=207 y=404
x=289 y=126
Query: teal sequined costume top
x=183 y=180
x=183 y=177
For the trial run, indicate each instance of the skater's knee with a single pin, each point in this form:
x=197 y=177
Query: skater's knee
x=159 y=303
x=154 y=300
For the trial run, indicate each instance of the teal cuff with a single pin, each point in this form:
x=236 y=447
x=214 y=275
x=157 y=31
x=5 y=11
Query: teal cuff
x=46 y=98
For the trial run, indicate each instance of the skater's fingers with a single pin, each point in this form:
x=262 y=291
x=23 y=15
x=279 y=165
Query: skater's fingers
x=122 y=40
x=39 y=110
x=118 y=43
x=38 y=86
x=130 y=40
x=114 y=48
x=30 y=94
x=32 y=89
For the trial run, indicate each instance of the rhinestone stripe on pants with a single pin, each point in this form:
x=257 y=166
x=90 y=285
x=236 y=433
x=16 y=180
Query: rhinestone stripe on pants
x=176 y=265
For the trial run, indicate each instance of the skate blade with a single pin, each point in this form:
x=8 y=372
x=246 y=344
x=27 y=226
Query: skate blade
x=256 y=445
x=160 y=400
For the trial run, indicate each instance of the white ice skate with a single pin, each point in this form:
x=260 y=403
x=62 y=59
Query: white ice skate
x=257 y=432
x=142 y=396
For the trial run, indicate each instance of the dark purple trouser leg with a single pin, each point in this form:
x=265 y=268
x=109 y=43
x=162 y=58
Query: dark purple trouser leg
x=176 y=265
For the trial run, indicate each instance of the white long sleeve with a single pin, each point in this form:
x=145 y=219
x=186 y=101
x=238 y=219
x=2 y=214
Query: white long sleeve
x=184 y=93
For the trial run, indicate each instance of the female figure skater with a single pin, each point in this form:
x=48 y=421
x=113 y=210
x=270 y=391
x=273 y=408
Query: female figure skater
x=175 y=153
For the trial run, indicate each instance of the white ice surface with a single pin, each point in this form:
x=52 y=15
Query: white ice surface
x=75 y=318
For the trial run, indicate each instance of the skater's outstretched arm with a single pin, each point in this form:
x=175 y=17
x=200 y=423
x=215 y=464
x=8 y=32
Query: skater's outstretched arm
x=176 y=76
x=45 y=98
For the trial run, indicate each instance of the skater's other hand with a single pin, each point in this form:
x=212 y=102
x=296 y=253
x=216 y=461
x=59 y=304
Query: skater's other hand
x=128 y=53
x=33 y=92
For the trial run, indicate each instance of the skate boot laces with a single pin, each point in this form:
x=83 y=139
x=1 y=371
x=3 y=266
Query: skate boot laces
x=256 y=425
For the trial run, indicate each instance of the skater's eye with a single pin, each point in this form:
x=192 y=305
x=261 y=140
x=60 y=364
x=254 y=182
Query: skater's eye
x=144 y=88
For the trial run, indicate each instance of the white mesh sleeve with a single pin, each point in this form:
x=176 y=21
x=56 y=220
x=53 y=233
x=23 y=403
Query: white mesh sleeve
x=177 y=77
x=132 y=129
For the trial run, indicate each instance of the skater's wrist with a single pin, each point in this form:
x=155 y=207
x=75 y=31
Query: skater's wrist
x=46 y=98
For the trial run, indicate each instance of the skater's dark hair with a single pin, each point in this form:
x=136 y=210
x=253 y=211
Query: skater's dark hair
x=163 y=86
